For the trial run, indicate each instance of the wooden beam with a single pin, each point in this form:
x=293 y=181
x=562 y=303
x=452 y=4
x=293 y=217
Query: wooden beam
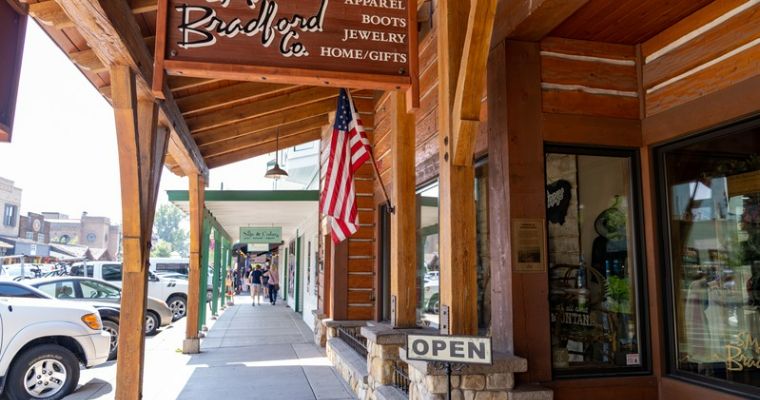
x=143 y=6
x=285 y=131
x=88 y=61
x=458 y=284
x=177 y=83
x=469 y=85
x=266 y=148
x=227 y=96
x=531 y=20
x=270 y=121
x=197 y=193
x=403 y=252
x=50 y=13
x=112 y=32
x=141 y=155
x=248 y=111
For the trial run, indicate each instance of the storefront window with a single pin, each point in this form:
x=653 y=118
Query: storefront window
x=594 y=271
x=712 y=199
x=483 y=246
x=428 y=263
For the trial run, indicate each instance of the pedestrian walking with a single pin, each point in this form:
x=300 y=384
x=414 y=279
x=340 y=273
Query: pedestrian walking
x=255 y=282
x=274 y=283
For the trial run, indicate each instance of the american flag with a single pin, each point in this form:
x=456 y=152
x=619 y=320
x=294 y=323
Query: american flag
x=349 y=149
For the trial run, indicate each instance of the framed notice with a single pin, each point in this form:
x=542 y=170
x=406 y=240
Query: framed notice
x=366 y=44
x=528 y=245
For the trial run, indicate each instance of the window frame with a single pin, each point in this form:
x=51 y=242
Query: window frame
x=664 y=233
x=638 y=251
x=10 y=220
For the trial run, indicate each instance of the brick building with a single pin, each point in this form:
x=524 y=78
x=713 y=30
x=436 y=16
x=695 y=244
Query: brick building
x=10 y=201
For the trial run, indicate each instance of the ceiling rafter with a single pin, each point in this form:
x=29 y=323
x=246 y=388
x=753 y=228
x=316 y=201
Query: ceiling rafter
x=253 y=110
x=229 y=96
x=268 y=135
x=266 y=148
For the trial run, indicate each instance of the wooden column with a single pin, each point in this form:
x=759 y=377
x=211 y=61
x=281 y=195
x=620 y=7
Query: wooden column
x=458 y=282
x=142 y=148
x=217 y=272
x=523 y=180
x=197 y=200
x=403 y=242
x=498 y=167
x=203 y=274
x=328 y=273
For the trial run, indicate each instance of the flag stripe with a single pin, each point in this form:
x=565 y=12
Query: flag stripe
x=349 y=149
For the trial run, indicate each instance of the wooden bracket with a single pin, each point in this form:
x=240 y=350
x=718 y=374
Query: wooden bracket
x=470 y=83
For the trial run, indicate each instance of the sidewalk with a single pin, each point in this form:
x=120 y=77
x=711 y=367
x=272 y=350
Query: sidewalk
x=261 y=352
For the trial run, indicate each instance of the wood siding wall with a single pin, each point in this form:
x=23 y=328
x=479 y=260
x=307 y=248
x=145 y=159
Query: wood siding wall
x=359 y=289
x=713 y=49
x=589 y=78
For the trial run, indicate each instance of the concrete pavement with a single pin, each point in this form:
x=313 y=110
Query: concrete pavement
x=262 y=352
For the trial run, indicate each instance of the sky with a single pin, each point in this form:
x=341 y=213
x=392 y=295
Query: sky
x=63 y=154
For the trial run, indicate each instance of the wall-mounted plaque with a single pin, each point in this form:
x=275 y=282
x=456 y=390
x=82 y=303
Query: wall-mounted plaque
x=353 y=43
x=528 y=245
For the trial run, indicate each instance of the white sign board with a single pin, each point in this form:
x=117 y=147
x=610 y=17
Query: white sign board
x=458 y=349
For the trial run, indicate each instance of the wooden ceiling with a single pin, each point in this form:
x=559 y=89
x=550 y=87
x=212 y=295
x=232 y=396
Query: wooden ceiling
x=229 y=121
x=625 y=21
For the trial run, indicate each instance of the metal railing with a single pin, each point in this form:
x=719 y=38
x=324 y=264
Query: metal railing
x=401 y=376
x=353 y=337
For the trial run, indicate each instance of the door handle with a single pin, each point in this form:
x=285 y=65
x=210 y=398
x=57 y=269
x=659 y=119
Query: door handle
x=10 y=308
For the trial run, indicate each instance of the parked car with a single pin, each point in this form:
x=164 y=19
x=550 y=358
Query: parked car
x=157 y=314
x=175 y=275
x=48 y=338
x=171 y=291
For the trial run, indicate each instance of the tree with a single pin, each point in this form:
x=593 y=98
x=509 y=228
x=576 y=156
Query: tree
x=161 y=249
x=168 y=228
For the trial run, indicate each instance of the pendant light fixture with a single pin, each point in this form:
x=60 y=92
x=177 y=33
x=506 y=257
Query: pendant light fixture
x=276 y=172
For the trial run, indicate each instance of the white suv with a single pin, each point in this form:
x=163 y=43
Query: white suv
x=44 y=341
x=172 y=291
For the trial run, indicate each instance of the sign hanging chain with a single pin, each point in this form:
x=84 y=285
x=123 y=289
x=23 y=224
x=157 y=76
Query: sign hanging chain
x=390 y=209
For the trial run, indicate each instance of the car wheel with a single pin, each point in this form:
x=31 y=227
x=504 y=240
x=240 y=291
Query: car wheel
x=152 y=323
x=48 y=372
x=178 y=305
x=112 y=328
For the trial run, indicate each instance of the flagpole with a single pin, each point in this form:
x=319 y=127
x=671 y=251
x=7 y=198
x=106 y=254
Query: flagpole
x=390 y=209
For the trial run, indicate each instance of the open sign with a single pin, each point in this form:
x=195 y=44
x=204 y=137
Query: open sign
x=457 y=349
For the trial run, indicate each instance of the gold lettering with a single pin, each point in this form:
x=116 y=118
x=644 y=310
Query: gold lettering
x=733 y=352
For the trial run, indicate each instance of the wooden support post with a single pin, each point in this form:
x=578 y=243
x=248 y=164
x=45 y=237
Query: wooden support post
x=458 y=284
x=403 y=243
x=203 y=285
x=328 y=273
x=217 y=272
x=197 y=201
x=518 y=190
x=142 y=148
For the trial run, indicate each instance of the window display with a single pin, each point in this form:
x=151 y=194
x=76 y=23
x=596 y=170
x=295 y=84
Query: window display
x=594 y=273
x=712 y=196
x=428 y=263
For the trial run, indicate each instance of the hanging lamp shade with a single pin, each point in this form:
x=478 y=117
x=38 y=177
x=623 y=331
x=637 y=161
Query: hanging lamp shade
x=276 y=172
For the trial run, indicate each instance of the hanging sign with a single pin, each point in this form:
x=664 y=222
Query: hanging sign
x=455 y=349
x=355 y=43
x=13 y=31
x=261 y=234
